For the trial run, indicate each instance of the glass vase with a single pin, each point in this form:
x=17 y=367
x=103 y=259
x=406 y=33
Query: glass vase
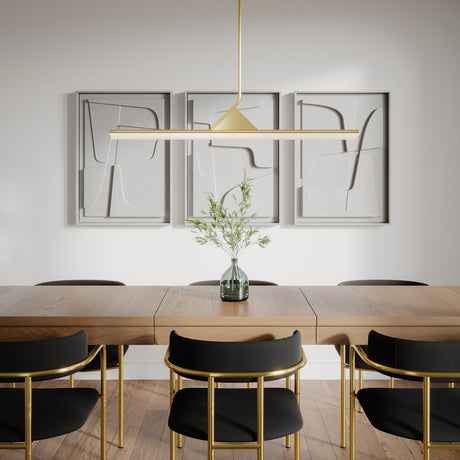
x=234 y=284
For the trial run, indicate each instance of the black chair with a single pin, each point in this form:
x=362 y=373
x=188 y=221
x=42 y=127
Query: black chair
x=251 y=283
x=233 y=417
x=115 y=353
x=217 y=283
x=430 y=415
x=27 y=414
x=344 y=350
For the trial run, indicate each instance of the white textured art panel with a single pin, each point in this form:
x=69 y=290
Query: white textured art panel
x=217 y=166
x=122 y=182
x=342 y=181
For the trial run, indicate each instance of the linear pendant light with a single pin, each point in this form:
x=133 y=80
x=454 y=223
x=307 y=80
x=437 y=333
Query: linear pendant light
x=233 y=124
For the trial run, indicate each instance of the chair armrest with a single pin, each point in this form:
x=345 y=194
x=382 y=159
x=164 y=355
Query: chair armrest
x=393 y=370
x=236 y=375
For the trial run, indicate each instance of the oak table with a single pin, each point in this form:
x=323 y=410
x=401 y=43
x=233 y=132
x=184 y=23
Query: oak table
x=270 y=312
x=110 y=315
x=346 y=314
x=323 y=314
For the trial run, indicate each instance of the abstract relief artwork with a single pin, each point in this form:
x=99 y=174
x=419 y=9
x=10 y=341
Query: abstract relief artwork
x=342 y=181
x=122 y=182
x=217 y=166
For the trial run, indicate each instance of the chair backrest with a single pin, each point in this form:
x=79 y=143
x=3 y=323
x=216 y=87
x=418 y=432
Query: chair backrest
x=258 y=356
x=42 y=355
x=217 y=282
x=379 y=282
x=414 y=355
x=82 y=283
x=376 y=282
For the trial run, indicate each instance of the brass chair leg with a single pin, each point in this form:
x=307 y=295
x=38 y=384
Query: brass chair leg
x=260 y=417
x=360 y=386
x=172 y=445
x=120 y=396
x=297 y=434
x=172 y=435
x=288 y=438
x=12 y=385
x=342 y=397
x=72 y=381
x=211 y=414
x=103 y=357
x=28 y=417
x=180 y=437
x=352 y=405
x=451 y=385
x=297 y=445
x=426 y=418
x=28 y=455
x=392 y=382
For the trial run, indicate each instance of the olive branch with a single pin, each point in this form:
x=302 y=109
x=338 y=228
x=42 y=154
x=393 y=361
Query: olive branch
x=226 y=229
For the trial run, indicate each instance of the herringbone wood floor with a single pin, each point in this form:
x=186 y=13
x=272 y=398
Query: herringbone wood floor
x=147 y=436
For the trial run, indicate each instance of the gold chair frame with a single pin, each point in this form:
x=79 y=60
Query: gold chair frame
x=343 y=393
x=120 y=367
x=427 y=376
x=28 y=377
x=211 y=377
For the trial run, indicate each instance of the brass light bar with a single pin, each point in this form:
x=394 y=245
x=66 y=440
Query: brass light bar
x=232 y=125
x=170 y=134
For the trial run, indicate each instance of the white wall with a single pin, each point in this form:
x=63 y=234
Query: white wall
x=52 y=48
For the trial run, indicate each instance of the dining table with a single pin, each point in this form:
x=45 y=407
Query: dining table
x=142 y=315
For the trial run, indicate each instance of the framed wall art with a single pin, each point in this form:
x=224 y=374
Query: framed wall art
x=217 y=166
x=122 y=182
x=342 y=181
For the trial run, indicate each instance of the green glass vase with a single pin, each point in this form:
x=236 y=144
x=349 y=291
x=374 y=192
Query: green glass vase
x=234 y=284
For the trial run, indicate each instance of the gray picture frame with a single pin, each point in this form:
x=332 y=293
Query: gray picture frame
x=122 y=182
x=217 y=167
x=342 y=182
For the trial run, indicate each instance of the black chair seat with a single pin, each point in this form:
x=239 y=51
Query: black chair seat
x=400 y=412
x=359 y=363
x=55 y=411
x=236 y=414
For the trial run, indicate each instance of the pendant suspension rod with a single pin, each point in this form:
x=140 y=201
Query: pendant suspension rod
x=239 y=53
x=238 y=99
x=239 y=59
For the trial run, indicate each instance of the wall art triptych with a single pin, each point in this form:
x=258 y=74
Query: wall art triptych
x=128 y=182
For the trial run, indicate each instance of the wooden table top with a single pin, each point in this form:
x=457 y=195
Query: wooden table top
x=147 y=314
x=270 y=312
x=345 y=314
x=107 y=313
